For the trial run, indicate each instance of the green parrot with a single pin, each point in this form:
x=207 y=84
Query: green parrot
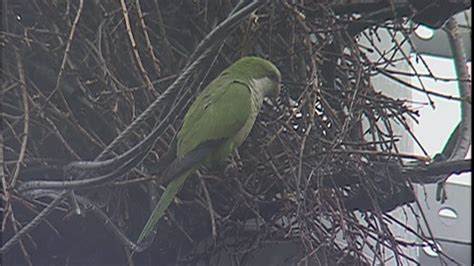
x=218 y=121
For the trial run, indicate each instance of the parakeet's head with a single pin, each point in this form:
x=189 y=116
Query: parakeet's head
x=259 y=71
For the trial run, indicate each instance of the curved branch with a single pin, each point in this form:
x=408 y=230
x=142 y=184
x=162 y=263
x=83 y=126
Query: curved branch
x=459 y=142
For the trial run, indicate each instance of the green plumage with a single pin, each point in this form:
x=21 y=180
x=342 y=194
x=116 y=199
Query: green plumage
x=217 y=122
x=215 y=115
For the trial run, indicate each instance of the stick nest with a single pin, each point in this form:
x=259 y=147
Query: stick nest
x=321 y=168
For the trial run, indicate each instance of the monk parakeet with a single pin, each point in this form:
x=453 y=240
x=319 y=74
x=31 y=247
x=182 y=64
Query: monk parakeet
x=218 y=121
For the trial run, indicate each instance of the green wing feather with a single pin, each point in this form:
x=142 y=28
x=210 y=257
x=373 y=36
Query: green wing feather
x=219 y=112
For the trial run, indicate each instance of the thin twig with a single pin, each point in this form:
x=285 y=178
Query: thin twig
x=134 y=46
x=149 y=45
x=67 y=50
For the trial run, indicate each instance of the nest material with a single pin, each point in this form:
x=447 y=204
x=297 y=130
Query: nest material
x=327 y=149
